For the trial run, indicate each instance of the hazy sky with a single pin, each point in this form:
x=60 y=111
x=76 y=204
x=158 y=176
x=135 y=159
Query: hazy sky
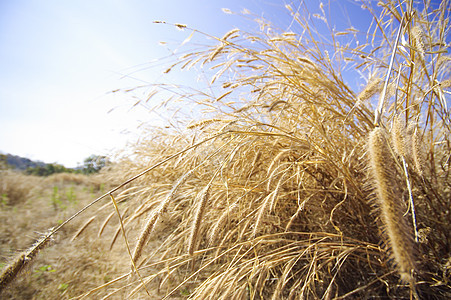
x=59 y=60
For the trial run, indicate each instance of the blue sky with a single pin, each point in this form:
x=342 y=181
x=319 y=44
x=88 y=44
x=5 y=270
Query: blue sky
x=59 y=60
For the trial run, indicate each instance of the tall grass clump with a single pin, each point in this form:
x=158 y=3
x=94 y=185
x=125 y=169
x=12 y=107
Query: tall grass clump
x=299 y=185
x=290 y=183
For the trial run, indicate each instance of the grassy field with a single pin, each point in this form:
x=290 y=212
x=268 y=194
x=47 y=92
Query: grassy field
x=32 y=205
x=291 y=186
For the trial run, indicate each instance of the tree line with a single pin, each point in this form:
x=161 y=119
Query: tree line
x=91 y=165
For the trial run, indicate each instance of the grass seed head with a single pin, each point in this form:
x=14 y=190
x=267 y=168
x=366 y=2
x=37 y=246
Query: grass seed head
x=419 y=39
x=200 y=202
x=388 y=193
x=399 y=136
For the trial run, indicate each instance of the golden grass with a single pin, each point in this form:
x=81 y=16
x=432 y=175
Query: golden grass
x=383 y=170
x=292 y=177
x=284 y=167
x=15 y=188
x=36 y=266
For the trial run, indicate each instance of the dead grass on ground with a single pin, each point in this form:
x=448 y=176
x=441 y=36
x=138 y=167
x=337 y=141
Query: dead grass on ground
x=63 y=268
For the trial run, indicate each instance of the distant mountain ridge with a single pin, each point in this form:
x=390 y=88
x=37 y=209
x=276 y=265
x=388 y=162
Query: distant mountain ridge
x=19 y=162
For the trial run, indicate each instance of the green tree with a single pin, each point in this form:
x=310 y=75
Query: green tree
x=3 y=162
x=48 y=169
x=94 y=163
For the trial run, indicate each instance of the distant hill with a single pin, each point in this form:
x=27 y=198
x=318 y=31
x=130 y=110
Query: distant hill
x=91 y=164
x=20 y=163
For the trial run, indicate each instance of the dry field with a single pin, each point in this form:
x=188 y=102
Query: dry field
x=30 y=207
x=291 y=186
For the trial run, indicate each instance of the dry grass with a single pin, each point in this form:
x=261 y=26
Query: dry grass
x=49 y=268
x=279 y=199
x=289 y=208
x=15 y=188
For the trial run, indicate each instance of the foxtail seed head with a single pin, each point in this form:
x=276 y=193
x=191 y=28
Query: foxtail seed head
x=373 y=87
x=419 y=40
x=398 y=136
x=201 y=200
x=383 y=168
x=10 y=272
